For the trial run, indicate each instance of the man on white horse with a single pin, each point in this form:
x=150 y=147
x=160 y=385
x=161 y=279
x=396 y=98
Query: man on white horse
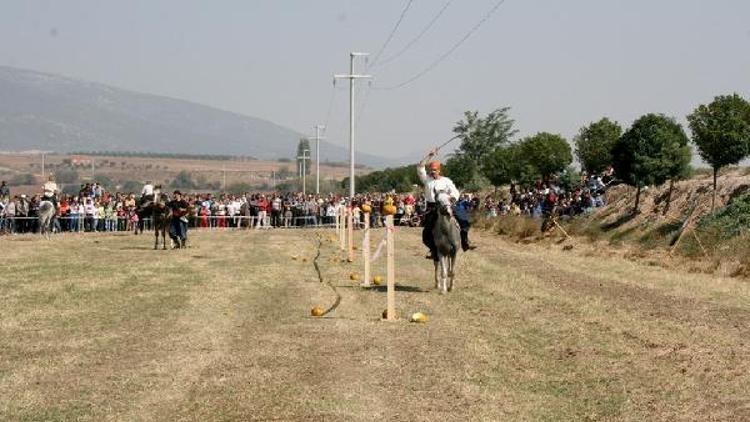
x=50 y=191
x=432 y=183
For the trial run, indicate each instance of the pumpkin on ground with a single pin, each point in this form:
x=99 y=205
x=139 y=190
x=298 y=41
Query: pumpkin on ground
x=419 y=317
x=317 y=311
x=377 y=280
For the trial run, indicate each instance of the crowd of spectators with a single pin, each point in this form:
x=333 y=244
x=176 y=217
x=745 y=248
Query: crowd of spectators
x=94 y=209
x=551 y=198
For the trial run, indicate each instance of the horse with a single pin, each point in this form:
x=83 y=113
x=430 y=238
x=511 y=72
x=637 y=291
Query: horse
x=46 y=216
x=447 y=236
x=160 y=216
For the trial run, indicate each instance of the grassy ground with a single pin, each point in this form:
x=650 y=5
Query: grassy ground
x=98 y=327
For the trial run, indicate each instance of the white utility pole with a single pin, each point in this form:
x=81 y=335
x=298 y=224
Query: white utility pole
x=317 y=157
x=304 y=158
x=351 y=76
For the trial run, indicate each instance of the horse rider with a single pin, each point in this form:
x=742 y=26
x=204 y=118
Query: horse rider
x=179 y=222
x=148 y=190
x=50 y=191
x=433 y=182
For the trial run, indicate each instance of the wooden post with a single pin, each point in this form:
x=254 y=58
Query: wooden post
x=366 y=250
x=391 y=272
x=338 y=223
x=342 y=240
x=350 y=220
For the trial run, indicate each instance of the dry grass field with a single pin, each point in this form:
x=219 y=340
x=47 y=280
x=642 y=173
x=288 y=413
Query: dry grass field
x=101 y=327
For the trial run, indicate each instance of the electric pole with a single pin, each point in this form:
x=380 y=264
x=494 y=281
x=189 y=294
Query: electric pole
x=351 y=76
x=317 y=157
x=304 y=158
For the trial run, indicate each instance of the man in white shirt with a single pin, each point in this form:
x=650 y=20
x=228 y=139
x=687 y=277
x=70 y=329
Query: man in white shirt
x=50 y=191
x=148 y=189
x=433 y=182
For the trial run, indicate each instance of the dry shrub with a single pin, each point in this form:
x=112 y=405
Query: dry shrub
x=517 y=226
x=586 y=225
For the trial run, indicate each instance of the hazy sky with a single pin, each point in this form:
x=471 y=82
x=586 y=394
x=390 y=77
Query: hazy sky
x=557 y=64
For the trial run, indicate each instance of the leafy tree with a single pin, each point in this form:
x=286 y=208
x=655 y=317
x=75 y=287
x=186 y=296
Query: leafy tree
x=569 y=178
x=461 y=169
x=22 y=179
x=594 y=144
x=480 y=137
x=303 y=150
x=130 y=186
x=546 y=152
x=400 y=179
x=500 y=167
x=183 y=180
x=721 y=131
x=66 y=175
x=654 y=149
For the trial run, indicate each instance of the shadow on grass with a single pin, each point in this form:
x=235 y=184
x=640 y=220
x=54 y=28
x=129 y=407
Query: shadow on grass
x=383 y=289
x=619 y=222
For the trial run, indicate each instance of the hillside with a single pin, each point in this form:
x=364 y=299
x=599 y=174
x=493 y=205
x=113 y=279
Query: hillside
x=23 y=172
x=41 y=111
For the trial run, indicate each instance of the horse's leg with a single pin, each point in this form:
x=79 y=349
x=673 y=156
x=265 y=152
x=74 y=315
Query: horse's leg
x=451 y=273
x=164 y=236
x=437 y=268
x=443 y=274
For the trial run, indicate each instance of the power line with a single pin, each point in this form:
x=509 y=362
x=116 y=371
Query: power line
x=418 y=37
x=450 y=51
x=393 y=32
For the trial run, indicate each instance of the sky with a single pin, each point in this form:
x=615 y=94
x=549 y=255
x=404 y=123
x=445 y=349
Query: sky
x=557 y=64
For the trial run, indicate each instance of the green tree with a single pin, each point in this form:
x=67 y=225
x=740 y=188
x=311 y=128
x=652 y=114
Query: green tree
x=594 y=144
x=721 y=131
x=546 y=152
x=479 y=138
x=183 y=180
x=66 y=175
x=654 y=149
x=500 y=167
x=303 y=150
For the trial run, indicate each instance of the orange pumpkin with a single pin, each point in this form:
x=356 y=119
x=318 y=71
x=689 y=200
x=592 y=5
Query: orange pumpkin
x=388 y=207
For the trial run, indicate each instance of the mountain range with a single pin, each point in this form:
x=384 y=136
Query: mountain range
x=41 y=111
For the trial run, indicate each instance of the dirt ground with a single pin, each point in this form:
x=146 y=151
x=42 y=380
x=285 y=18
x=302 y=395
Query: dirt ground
x=101 y=327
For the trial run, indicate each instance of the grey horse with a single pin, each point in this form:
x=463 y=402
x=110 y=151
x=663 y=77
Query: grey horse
x=46 y=216
x=447 y=237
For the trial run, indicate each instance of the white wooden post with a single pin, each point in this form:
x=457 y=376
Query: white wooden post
x=342 y=226
x=391 y=271
x=350 y=220
x=366 y=250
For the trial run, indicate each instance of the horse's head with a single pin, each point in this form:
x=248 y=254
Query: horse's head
x=443 y=201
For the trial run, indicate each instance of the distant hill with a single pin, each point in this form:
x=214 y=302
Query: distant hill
x=40 y=111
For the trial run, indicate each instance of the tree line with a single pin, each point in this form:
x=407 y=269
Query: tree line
x=654 y=150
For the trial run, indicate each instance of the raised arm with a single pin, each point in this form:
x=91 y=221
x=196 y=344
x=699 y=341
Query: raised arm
x=421 y=172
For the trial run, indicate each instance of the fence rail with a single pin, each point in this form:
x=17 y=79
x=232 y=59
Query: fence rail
x=123 y=224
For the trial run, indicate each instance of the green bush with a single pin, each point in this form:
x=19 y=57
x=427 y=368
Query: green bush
x=730 y=221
